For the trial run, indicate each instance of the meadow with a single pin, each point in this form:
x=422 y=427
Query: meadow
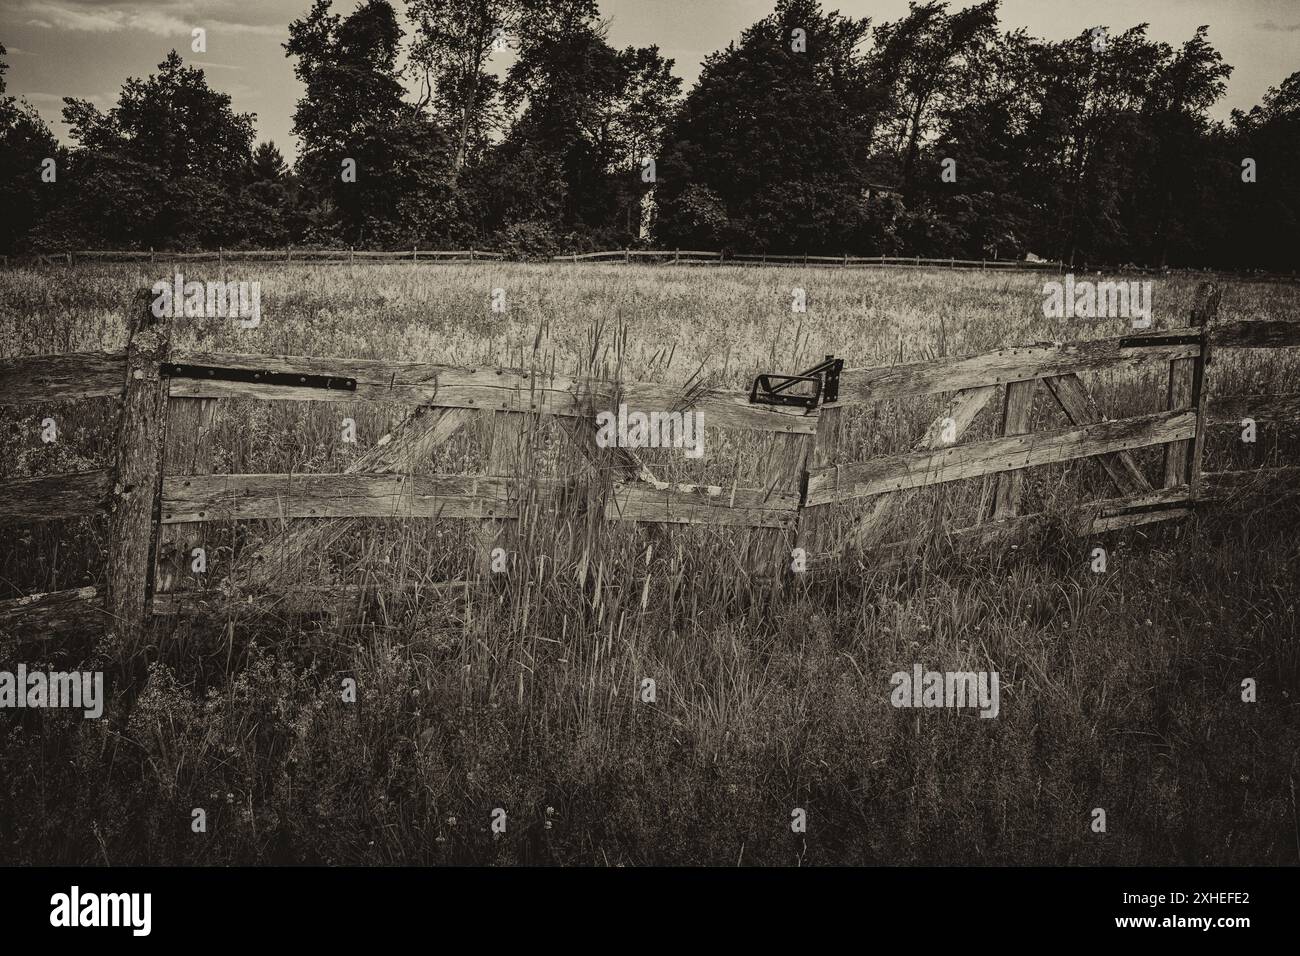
x=1119 y=690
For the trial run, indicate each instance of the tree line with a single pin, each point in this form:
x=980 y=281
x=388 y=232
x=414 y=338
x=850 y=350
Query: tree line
x=938 y=134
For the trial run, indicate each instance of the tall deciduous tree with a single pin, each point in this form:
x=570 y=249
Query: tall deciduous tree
x=769 y=149
x=384 y=166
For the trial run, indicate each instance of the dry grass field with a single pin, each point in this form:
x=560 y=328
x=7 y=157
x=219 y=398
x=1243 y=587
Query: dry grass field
x=1120 y=690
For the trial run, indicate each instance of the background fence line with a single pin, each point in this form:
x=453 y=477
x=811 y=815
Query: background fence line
x=625 y=256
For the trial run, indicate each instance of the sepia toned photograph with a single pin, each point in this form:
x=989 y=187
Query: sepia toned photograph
x=641 y=434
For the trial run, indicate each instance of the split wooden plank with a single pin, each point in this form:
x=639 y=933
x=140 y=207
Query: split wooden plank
x=1016 y=412
x=70 y=377
x=1081 y=409
x=42 y=616
x=986 y=457
x=863 y=385
x=51 y=497
x=135 y=472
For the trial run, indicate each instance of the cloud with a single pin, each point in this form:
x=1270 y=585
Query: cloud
x=1270 y=25
x=162 y=17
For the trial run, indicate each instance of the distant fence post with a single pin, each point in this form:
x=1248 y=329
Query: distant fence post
x=136 y=470
x=1187 y=391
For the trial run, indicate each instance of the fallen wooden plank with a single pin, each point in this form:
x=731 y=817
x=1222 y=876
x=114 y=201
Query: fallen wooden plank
x=29 y=379
x=1256 y=334
x=702 y=504
x=42 y=616
x=250 y=497
x=917 y=469
x=51 y=497
x=1231 y=409
x=860 y=385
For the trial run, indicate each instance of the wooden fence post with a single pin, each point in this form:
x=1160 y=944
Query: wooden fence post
x=1016 y=409
x=136 y=470
x=1186 y=391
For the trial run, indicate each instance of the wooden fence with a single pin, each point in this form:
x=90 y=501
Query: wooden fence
x=626 y=256
x=160 y=491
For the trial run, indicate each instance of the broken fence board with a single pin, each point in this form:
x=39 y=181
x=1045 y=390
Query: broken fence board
x=71 y=377
x=51 y=497
x=861 y=385
x=41 y=616
x=918 y=469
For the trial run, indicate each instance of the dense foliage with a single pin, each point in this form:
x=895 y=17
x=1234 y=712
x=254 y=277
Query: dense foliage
x=812 y=132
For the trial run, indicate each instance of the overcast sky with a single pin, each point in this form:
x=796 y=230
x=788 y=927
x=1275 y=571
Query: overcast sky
x=87 y=48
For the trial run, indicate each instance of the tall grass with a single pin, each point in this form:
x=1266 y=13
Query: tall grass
x=1120 y=690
